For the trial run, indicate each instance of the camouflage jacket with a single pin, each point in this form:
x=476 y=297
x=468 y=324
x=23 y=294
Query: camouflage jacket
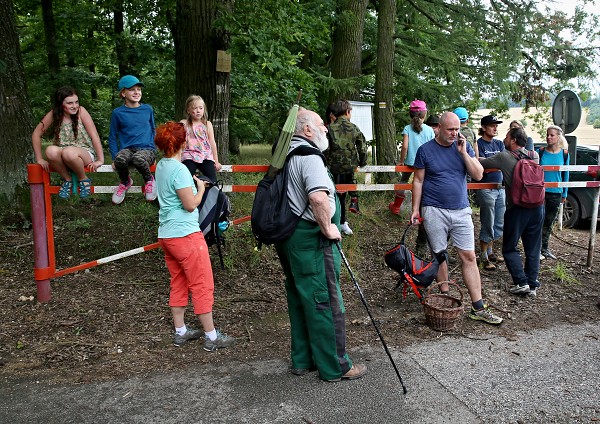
x=347 y=147
x=469 y=135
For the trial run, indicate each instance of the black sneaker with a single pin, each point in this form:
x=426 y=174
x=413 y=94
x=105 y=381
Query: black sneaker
x=548 y=254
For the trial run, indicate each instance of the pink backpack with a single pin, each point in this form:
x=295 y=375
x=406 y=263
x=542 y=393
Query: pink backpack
x=527 y=188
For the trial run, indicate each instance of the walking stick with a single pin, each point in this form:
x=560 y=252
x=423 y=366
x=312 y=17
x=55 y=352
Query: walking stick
x=364 y=301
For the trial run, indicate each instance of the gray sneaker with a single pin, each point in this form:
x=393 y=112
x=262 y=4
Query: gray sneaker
x=533 y=290
x=222 y=341
x=517 y=289
x=485 y=315
x=190 y=334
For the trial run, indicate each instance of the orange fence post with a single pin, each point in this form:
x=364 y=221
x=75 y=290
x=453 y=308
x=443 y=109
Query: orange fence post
x=38 y=179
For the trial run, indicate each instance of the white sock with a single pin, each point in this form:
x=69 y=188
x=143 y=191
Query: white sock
x=181 y=330
x=212 y=335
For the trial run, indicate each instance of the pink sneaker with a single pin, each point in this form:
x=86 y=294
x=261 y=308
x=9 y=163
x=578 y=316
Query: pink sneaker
x=119 y=195
x=150 y=190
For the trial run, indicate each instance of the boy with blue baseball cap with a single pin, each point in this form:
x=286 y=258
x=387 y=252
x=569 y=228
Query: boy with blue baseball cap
x=131 y=139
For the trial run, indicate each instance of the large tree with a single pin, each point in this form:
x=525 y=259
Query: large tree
x=385 y=128
x=15 y=113
x=197 y=41
x=346 y=58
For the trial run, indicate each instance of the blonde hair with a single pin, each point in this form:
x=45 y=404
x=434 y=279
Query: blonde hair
x=561 y=137
x=189 y=103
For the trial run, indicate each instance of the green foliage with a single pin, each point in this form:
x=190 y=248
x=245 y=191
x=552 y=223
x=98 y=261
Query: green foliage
x=459 y=53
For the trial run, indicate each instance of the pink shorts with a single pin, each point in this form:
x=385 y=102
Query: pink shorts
x=191 y=272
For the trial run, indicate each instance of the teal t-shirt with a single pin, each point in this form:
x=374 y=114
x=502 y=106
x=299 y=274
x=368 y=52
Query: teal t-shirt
x=416 y=140
x=173 y=220
x=558 y=158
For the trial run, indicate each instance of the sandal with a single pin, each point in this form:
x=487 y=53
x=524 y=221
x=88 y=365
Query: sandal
x=65 y=189
x=85 y=188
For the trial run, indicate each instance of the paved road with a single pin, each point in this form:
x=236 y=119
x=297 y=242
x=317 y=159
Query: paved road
x=546 y=376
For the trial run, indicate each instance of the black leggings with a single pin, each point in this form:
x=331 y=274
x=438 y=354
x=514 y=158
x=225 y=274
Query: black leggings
x=207 y=168
x=344 y=179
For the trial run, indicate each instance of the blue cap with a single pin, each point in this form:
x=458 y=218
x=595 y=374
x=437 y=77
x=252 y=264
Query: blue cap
x=462 y=114
x=128 y=81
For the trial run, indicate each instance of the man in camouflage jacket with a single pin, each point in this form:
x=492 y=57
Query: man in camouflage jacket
x=347 y=150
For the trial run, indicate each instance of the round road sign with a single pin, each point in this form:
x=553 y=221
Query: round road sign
x=566 y=111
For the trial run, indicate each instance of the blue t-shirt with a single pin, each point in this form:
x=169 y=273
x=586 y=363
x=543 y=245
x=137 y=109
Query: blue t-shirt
x=445 y=183
x=173 y=220
x=488 y=149
x=558 y=158
x=416 y=140
x=133 y=127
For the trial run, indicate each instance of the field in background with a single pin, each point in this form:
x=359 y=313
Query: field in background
x=586 y=134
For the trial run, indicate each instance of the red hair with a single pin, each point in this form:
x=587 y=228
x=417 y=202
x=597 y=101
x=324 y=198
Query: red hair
x=170 y=137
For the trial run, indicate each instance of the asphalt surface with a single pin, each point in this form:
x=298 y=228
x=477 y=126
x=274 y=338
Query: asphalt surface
x=544 y=376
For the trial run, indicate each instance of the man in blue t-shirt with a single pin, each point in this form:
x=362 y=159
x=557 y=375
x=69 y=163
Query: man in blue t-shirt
x=491 y=201
x=440 y=195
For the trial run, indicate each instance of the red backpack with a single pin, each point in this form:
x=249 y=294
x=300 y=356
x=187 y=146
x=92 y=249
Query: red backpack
x=527 y=188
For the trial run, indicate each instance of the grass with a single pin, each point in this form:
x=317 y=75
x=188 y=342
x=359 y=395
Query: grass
x=561 y=272
x=94 y=228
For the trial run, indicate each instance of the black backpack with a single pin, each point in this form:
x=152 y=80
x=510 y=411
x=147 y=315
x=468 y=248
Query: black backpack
x=272 y=218
x=213 y=214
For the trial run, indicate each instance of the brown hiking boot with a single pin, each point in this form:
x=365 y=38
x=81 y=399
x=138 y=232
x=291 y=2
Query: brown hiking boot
x=357 y=371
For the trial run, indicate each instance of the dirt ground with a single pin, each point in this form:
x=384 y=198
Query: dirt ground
x=113 y=321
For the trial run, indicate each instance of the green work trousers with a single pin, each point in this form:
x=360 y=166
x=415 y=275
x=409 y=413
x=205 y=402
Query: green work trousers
x=315 y=306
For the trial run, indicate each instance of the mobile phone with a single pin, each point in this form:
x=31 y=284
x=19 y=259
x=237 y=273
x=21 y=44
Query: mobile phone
x=458 y=139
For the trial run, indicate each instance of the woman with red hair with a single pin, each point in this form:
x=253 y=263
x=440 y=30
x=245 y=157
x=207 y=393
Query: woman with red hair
x=179 y=235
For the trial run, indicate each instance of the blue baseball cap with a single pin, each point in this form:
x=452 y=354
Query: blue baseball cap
x=462 y=114
x=128 y=81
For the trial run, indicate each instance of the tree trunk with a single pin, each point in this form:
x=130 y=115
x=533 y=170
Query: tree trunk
x=120 y=45
x=196 y=44
x=385 y=127
x=347 y=45
x=50 y=33
x=15 y=112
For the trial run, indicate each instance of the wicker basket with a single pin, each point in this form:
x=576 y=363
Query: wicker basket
x=442 y=311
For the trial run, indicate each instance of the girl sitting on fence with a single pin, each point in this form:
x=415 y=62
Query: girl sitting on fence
x=76 y=142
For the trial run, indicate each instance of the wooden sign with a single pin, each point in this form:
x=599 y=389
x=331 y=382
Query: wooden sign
x=223 y=61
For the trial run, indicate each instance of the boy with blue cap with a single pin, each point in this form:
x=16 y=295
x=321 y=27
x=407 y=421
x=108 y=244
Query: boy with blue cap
x=131 y=139
x=463 y=116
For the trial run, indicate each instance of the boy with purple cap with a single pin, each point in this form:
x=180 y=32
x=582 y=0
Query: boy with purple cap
x=131 y=139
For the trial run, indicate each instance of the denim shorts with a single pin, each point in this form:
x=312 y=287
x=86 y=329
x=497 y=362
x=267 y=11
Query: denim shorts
x=454 y=223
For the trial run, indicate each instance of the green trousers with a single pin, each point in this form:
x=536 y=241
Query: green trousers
x=315 y=306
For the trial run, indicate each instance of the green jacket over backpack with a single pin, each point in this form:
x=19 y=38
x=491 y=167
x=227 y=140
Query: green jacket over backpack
x=347 y=147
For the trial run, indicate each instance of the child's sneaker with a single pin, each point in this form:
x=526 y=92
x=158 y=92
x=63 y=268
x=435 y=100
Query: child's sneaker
x=190 y=334
x=150 y=190
x=119 y=195
x=222 y=341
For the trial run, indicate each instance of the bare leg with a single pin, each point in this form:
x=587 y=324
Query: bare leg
x=470 y=273
x=442 y=276
x=54 y=156
x=76 y=158
x=206 y=320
